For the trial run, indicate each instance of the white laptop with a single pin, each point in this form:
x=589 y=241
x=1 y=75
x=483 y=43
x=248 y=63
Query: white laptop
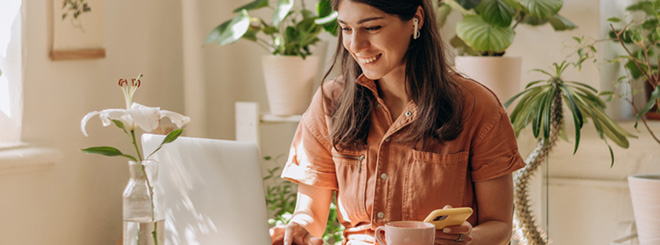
x=214 y=191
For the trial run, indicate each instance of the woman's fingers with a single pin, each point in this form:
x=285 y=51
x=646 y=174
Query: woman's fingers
x=458 y=234
x=277 y=234
x=315 y=241
x=295 y=234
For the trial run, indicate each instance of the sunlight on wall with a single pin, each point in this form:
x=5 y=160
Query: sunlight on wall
x=11 y=70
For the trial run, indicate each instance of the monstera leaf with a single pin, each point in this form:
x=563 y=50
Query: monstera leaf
x=482 y=36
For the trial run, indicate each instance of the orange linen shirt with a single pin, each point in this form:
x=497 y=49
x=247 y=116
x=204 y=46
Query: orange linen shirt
x=392 y=180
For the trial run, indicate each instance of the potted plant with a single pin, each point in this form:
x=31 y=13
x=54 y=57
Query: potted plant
x=281 y=201
x=541 y=104
x=640 y=39
x=487 y=29
x=290 y=71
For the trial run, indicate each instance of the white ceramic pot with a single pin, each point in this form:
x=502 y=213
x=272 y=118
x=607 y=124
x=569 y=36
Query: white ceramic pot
x=499 y=74
x=645 y=195
x=289 y=82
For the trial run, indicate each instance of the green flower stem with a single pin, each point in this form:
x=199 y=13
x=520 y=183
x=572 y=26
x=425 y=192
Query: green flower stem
x=137 y=150
x=154 y=233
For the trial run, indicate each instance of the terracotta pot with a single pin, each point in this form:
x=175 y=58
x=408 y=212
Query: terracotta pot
x=289 y=82
x=499 y=74
x=645 y=195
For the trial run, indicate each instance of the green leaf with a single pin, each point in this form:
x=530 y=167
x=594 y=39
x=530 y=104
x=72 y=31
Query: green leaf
x=584 y=85
x=230 y=31
x=468 y=4
x=251 y=34
x=542 y=71
x=269 y=30
x=496 y=12
x=537 y=116
x=107 y=151
x=560 y=23
x=481 y=36
x=281 y=11
x=324 y=8
x=120 y=125
x=611 y=155
x=609 y=95
x=614 y=20
x=650 y=24
x=461 y=47
x=327 y=17
x=655 y=95
x=257 y=4
x=635 y=72
x=547 y=114
x=646 y=6
x=441 y=13
x=172 y=136
x=533 y=20
x=542 y=8
x=577 y=115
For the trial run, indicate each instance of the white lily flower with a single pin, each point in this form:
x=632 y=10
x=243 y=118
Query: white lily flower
x=147 y=118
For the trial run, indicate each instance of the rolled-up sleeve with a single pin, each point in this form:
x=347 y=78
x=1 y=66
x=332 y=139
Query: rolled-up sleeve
x=495 y=151
x=310 y=161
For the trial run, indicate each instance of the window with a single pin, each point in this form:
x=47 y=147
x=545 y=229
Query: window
x=11 y=73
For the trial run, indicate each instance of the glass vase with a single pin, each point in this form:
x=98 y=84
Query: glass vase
x=143 y=205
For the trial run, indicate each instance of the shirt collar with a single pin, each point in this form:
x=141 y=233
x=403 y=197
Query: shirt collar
x=371 y=85
x=367 y=83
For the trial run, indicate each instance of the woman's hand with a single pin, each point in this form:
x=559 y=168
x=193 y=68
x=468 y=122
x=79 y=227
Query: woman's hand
x=292 y=234
x=457 y=234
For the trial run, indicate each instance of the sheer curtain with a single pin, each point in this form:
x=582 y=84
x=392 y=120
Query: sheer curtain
x=11 y=67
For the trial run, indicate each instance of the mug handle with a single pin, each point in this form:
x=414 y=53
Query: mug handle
x=379 y=234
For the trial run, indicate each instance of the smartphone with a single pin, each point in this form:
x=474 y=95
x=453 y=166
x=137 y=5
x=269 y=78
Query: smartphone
x=448 y=217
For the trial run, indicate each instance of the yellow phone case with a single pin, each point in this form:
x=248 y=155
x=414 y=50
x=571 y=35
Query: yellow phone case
x=448 y=217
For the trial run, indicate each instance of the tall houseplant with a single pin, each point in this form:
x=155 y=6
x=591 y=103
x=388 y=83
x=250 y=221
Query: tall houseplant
x=640 y=39
x=290 y=70
x=541 y=104
x=487 y=29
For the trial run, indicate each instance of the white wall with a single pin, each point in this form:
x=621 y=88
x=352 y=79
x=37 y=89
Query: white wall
x=78 y=201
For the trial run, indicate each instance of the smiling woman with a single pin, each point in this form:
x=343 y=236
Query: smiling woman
x=399 y=134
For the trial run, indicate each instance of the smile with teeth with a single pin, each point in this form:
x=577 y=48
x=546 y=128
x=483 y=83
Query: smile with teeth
x=370 y=59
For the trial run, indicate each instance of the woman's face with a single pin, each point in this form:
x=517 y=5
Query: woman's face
x=377 y=41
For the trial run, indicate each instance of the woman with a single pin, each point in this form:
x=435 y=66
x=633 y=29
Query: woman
x=399 y=134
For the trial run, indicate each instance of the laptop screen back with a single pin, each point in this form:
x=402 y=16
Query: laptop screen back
x=213 y=191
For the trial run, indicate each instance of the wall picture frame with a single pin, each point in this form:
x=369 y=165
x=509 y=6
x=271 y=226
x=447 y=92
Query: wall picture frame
x=77 y=29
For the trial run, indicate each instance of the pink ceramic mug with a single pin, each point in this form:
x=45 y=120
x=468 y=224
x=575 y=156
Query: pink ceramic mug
x=406 y=233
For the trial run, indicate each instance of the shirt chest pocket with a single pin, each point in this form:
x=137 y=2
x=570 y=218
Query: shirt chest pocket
x=351 y=180
x=434 y=180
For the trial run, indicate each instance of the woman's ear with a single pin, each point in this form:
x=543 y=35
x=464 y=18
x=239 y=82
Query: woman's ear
x=419 y=15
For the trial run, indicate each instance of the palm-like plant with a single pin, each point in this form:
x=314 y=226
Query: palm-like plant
x=541 y=104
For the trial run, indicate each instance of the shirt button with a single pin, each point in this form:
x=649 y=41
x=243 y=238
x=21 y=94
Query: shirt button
x=387 y=139
x=378 y=106
x=408 y=113
x=383 y=176
x=381 y=215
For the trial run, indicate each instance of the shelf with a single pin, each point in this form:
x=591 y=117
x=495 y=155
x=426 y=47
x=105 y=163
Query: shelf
x=248 y=120
x=270 y=118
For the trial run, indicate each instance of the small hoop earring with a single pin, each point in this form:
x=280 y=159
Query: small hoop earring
x=416 y=26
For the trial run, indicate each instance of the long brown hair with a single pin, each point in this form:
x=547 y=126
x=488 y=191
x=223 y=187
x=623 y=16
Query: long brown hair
x=428 y=82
